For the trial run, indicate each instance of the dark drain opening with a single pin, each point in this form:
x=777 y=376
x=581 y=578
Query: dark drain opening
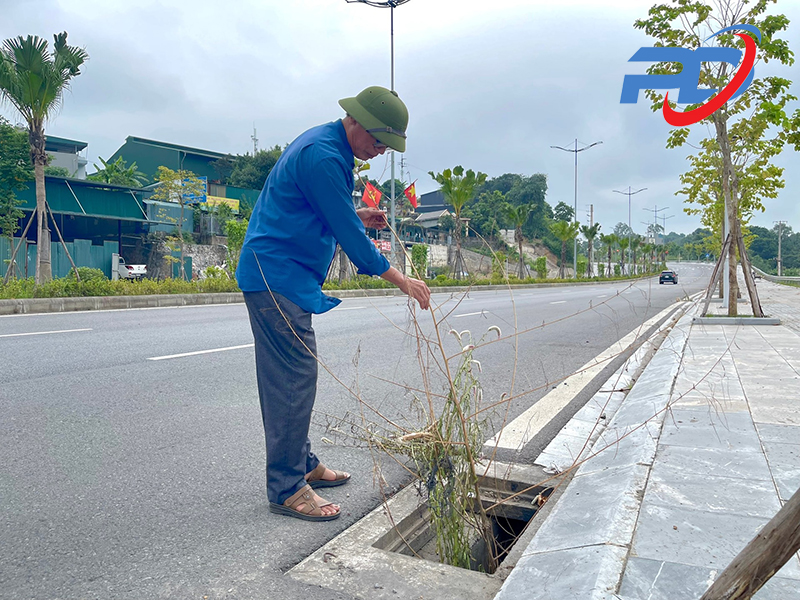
x=414 y=535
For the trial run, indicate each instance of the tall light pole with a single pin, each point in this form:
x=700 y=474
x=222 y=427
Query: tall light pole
x=575 y=214
x=391 y=5
x=629 y=193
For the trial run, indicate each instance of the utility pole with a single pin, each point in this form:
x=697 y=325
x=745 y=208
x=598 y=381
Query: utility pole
x=391 y=5
x=255 y=140
x=780 y=235
x=629 y=193
x=591 y=254
x=575 y=213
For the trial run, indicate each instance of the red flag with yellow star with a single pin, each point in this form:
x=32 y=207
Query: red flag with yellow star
x=372 y=195
x=411 y=194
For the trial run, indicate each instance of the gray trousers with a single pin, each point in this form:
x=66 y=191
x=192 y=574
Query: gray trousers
x=287 y=386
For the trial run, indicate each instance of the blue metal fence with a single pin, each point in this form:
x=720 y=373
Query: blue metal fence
x=82 y=251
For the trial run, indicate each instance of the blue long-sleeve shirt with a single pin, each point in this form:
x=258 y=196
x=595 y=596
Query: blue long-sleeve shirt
x=306 y=206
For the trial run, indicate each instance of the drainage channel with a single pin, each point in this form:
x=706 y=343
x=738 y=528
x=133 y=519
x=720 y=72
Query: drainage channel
x=391 y=552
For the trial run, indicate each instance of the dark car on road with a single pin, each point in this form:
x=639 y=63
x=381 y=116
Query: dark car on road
x=668 y=277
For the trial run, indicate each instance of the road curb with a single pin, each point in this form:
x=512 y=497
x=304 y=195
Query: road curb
x=54 y=305
x=581 y=549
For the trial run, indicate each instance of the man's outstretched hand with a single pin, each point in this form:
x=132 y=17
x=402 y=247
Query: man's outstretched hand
x=415 y=288
x=418 y=290
x=374 y=218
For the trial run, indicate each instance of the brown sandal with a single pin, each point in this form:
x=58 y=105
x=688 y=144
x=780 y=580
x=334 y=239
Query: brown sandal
x=311 y=511
x=315 y=479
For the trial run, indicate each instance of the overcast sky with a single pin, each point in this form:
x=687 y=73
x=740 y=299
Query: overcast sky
x=489 y=85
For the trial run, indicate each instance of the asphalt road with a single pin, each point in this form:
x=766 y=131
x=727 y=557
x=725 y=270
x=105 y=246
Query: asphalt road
x=124 y=477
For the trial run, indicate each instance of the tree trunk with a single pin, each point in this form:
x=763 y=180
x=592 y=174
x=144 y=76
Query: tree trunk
x=459 y=267
x=44 y=270
x=731 y=207
x=180 y=243
x=521 y=268
x=772 y=547
x=589 y=270
x=343 y=265
x=561 y=269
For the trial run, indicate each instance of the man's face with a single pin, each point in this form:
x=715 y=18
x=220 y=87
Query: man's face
x=366 y=147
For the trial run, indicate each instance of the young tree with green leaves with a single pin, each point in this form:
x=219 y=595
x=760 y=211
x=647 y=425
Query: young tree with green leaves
x=118 y=173
x=590 y=233
x=636 y=241
x=754 y=125
x=563 y=212
x=15 y=171
x=608 y=241
x=178 y=186
x=458 y=187
x=624 y=243
x=518 y=216
x=565 y=232
x=33 y=80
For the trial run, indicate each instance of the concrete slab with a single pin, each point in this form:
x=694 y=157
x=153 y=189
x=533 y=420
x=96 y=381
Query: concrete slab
x=714 y=403
x=704 y=429
x=564 y=575
x=696 y=537
x=784 y=460
x=699 y=538
x=597 y=508
x=646 y=579
x=715 y=462
x=782 y=434
x=736 y=321
x=623 y=448
x=671 y=487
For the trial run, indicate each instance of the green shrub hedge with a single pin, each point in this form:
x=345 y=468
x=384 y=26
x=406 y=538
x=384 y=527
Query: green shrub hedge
x=94 y=283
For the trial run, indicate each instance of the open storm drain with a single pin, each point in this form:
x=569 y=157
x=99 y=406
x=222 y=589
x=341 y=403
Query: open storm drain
x=414 y=535
x=392 y=552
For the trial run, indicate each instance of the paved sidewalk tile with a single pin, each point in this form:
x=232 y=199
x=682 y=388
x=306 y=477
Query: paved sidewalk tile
x=647 y=579
x=563 y=575
x=784 y=460
x=696 y=537
x=715 y=462
x=671 y=487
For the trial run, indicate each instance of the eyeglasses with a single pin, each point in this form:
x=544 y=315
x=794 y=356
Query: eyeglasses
x=380 y=145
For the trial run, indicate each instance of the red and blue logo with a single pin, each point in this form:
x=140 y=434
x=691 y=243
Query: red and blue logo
x=687 y=80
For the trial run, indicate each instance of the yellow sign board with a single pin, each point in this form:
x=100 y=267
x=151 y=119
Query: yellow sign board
x=215 y=200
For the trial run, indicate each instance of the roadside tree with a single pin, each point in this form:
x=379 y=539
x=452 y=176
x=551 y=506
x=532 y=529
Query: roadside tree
x=565 y=232
x=748 y=131
x=33 y=80
x=458 y=187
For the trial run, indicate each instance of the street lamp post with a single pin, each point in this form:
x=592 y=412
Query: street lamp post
x=575 y=214
x=390 y=4
x=629 y=194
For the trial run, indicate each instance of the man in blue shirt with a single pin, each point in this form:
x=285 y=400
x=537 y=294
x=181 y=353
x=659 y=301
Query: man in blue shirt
x=304 y=210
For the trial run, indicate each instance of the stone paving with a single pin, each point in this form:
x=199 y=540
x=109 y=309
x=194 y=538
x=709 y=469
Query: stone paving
x=660 y=514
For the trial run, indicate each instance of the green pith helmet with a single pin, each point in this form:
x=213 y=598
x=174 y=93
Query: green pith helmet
x=381 y=113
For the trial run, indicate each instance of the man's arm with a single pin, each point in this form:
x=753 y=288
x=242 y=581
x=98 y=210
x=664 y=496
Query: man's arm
x=413 y=287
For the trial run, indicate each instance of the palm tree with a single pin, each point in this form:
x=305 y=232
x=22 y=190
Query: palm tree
x=609 y=241
x=590 y=233
x=118 y=173
x=623 y=242
x=458 y=188
x=636 y=241
x=518 y=215
x=33 y=81
x=565 y=232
